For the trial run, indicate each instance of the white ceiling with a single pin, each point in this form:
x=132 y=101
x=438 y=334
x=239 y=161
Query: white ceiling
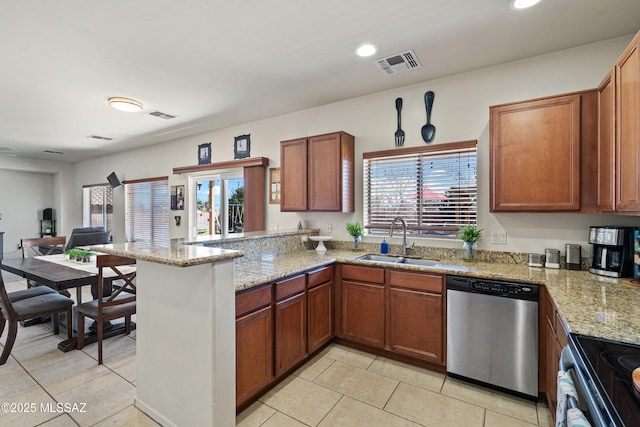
x=219 y=63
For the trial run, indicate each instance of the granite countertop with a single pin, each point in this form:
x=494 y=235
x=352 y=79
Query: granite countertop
x=176 y=254
x=588 y=304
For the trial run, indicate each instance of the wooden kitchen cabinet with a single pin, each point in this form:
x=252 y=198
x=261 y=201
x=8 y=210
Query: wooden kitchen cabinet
x=254 y=342
x=555 y=339
x=627 y=105
x=317 y=173
x=535 y=154
x=416 y=315
x=363 y=305
x=606 y=144
x=320 y=307
x=290 y=323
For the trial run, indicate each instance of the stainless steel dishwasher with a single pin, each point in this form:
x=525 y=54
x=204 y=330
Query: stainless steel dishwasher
x=492 y=333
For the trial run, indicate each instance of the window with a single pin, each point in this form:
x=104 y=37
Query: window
x=147 y=210
x=434 y=189
x=97 y=206
x=219 y=204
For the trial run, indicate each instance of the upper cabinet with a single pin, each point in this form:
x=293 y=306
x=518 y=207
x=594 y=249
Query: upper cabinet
x=317 y=173
x=535 y=154
x=606 y=143
x=627 y=104
x=619 y=135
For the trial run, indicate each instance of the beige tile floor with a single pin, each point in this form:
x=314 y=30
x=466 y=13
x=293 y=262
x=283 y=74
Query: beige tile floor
x=338 y=387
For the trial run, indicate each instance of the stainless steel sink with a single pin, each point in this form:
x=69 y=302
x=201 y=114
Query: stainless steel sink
x=397 y=260
x=380 y=258
x=416 y=261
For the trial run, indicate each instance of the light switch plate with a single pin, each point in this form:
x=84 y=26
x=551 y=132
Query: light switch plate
x=499 y=237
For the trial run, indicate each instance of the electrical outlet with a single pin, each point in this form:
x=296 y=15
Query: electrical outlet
x=18 y=245
x=328 y=228
x=499 y=237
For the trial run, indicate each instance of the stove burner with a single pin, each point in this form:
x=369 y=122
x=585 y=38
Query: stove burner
x=629 y=362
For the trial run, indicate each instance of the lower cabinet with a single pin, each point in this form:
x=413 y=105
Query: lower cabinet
x=396 y=310
x=291 y=325
x=254 y=343
x=363 y=305
x=319 y=307
x=278 y=326
x=554 y=340
x=416 y=316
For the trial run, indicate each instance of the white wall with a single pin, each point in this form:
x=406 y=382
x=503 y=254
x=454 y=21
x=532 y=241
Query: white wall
x=461 y=112
x=28 y=187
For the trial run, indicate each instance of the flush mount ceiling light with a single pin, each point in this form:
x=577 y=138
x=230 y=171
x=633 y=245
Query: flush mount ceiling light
x=125 y=104
x=366 y=50
x=523 y=4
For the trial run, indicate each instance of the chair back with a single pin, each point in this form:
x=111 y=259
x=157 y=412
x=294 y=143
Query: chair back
x=5 y=303
x=42 y=246
x=110 y=268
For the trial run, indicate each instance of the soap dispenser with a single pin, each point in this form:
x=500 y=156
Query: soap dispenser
x=384 y=246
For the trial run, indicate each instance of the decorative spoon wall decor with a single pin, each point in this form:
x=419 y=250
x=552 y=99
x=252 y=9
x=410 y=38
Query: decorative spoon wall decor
x=428 y=130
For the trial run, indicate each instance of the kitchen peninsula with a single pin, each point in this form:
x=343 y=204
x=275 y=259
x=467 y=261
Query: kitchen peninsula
x=192 y=303
x=185 y=332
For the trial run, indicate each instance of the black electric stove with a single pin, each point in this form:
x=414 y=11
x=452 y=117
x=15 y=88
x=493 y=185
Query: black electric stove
x=609 y=366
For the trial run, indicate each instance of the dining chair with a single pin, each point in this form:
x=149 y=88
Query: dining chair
x=17 y=306
x=40 y=246
x=121 y=303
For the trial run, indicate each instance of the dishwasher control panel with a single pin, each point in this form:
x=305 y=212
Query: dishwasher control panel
x=493 y=287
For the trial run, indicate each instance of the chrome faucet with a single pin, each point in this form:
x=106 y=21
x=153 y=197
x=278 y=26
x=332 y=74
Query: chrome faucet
x=404 y=233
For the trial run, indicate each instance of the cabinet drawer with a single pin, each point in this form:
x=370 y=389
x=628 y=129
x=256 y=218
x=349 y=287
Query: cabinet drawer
x=253 y=299
x=320 y=276
x=289 y=287
x=363 y=274
x=419 y=281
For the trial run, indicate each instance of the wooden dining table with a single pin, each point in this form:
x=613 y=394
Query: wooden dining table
x=60 y=274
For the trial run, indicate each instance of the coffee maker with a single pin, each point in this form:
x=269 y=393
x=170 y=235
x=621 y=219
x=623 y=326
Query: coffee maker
x=612 y=251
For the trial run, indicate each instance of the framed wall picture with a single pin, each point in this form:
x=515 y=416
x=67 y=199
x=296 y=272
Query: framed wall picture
x=241 y=147
x=204 y=154
x=274 y=186
x=177 y=197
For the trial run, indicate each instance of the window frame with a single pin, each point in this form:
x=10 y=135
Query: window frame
x=107 y=209
x=378 y=221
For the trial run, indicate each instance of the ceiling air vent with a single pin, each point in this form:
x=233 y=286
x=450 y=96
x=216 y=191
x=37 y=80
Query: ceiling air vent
x=161 y=115
x=101 y=138
x=398 y=63
x=53 y=152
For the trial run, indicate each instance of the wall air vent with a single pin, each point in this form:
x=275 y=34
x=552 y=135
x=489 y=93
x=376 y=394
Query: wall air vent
x=101 y=138
x=398 y=63
x=161 y=115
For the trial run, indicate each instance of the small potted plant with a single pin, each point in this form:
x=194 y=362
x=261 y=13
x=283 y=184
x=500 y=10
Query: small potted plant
x=356 y=230
x=79 y=255
x=469 y=234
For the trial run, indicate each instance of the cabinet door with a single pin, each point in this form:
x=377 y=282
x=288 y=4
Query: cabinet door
x=293 y=175
x=535 y=155
x=363 y=313
x=628 y=129
x=320 y=310
x=415 y=324
x=606 y=144
x=325 y=173
x=254 y=353
x=291 y=332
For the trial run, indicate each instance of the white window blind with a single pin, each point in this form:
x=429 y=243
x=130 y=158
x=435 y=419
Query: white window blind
x=434 y=189
x=147 y=210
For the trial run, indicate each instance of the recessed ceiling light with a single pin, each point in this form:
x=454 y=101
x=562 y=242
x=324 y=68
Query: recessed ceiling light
x=125 y=104
x=523 y=4
x=366 y=50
